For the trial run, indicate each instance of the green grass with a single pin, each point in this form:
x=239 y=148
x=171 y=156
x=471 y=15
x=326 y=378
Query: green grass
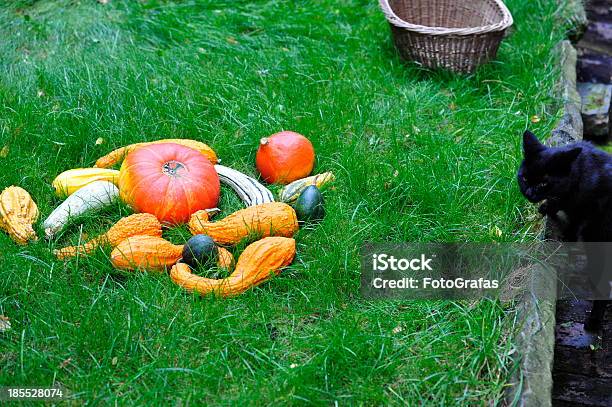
x=418 y=156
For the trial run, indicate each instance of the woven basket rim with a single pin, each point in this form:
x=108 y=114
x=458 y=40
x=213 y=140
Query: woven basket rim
x=394 y=19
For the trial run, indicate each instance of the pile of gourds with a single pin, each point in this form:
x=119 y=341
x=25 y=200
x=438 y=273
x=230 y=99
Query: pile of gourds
x=175 y=181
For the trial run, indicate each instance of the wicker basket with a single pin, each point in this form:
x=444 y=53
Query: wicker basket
x=457 y=35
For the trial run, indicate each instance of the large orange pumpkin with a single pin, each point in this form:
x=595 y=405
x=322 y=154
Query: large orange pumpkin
x=169 y=181
x=285 y=157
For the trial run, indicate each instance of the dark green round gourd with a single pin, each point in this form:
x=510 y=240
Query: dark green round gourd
x=310 y=205
x=200 y=250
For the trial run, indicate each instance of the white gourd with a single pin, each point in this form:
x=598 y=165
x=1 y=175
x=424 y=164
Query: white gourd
x=250 y=191
x=91 y=197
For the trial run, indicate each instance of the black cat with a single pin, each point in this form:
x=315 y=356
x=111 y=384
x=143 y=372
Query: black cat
x=576 y=180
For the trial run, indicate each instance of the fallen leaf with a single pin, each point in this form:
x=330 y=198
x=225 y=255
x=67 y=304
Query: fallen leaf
x=40 y=93
x=232 y=40
x=5 y=323
x=4 y=152
x=65 y=363
x=293 y=365
x=114 y=361
x=99 y=141
x=397 y=329
x=452 y=106
x=497 y=231
x=535 y=118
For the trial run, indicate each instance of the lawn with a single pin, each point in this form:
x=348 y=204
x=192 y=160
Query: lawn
x=418 y=156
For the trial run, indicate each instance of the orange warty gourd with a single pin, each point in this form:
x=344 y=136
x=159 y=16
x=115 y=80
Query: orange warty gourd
x=169 y=181
x=285 y=157
x=269 y=219
x=145 y=252
x=119 y=154
x=133 y=225
x=258 y=263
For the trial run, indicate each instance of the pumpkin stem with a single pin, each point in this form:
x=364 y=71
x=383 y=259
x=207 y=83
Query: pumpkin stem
x=264 y=141
x=172 y=168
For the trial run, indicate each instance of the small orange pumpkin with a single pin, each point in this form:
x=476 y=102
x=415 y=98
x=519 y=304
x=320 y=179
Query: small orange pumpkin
x=168 y=180
x=285 y=157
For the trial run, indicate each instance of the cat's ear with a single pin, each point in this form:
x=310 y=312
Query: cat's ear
x=531 y=144
x=562 y=161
